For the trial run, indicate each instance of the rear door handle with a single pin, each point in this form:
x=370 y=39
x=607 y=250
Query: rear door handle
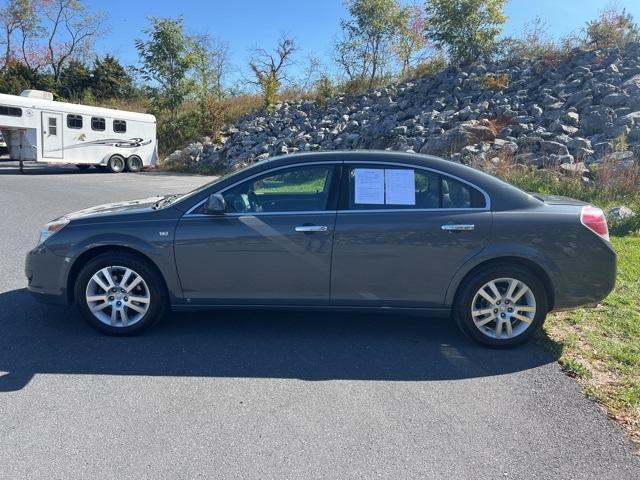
x=453 y=227
x=311 y=228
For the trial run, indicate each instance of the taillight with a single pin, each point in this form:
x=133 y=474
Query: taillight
x=593 y=218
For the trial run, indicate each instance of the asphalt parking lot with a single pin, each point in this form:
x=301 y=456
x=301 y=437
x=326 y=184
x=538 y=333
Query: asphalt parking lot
x=268 y=394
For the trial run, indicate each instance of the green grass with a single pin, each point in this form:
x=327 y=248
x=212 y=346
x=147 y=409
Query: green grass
x=601 y=346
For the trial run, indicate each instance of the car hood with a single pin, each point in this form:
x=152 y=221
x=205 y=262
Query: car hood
x=118 y=208
x=558 y=200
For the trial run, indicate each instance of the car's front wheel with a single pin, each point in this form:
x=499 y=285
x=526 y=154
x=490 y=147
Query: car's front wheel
x=120 y=294
x=501 y=306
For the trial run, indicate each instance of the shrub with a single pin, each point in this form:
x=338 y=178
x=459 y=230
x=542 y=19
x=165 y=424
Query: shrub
x=613 y=28
x=497 y=124
x=549 y=61
x=324 y=90
x=172 y=134
x=428 y=68
x=495 y=81
x=534 y=43
x=361 y=84
x=621 y=144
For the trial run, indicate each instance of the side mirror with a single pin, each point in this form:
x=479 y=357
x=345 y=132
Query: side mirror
x=215 y=204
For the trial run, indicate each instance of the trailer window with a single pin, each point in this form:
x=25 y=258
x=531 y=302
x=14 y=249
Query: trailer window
x=97 y=123
x=74 y=121
x=119 y=126
x=10 y=111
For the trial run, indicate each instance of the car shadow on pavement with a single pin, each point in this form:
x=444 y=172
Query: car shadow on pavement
x=310 y=346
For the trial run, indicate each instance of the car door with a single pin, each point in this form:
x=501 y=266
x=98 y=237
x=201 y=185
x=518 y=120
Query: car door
x=272 y=246
x=401 y=233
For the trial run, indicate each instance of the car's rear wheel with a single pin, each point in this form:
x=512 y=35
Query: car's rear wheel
x=120 y=294
x=501 y=306
x=116 y=163
x=134 y=163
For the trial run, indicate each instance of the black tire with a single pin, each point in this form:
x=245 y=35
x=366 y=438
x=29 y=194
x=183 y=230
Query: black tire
x=471 y=286
x=83 y=166
x=134 y=164
x=154 y=283
x=116 y=164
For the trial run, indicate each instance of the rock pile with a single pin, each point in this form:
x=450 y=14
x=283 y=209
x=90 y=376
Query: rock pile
x=570 y=112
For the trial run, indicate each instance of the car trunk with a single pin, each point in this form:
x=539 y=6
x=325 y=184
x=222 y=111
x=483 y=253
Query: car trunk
x=558 y=200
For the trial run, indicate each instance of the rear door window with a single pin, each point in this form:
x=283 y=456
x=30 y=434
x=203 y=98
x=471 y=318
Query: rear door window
x=373 y=187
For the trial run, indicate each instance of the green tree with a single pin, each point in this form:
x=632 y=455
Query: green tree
x=410 y=43
x=110 y=79
x=269 y=69
x=210 y=65
x=613 y=28
x=75 y=80
x=363 y=51
x=18 y=77
x=166 y=59
x=466 y=29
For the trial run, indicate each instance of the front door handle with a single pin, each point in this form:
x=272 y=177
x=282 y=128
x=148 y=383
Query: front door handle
x=311 y=228
x=455 y=227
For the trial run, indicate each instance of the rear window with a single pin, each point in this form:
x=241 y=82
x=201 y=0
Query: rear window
x=374 y=188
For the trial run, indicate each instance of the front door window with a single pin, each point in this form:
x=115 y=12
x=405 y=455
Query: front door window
x=297 y=189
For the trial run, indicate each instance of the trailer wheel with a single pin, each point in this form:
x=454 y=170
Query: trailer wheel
x=134 y=163
x=116 y=164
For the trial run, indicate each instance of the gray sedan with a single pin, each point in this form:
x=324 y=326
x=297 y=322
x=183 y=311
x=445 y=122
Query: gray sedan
x=334 y=230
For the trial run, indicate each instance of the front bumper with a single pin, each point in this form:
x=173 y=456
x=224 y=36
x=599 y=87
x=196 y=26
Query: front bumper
x=46 y=275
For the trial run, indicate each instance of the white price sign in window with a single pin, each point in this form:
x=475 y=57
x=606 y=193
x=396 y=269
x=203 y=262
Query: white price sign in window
x=369 y=186
x=400 y=187
x=390 y=186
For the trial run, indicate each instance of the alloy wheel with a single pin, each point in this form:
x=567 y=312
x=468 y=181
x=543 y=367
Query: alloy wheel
x=118 y=296
x=503 y=308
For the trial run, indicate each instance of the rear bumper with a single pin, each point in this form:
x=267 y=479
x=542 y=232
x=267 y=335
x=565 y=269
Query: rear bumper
x=589 y=281
x=46 y=276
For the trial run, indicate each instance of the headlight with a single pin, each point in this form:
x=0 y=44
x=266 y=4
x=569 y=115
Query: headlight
x=51 y=228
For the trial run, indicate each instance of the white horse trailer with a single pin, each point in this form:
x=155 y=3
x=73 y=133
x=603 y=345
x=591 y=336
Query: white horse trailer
x=36 y=128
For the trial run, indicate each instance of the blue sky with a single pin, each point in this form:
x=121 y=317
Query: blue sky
x=314 y=24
